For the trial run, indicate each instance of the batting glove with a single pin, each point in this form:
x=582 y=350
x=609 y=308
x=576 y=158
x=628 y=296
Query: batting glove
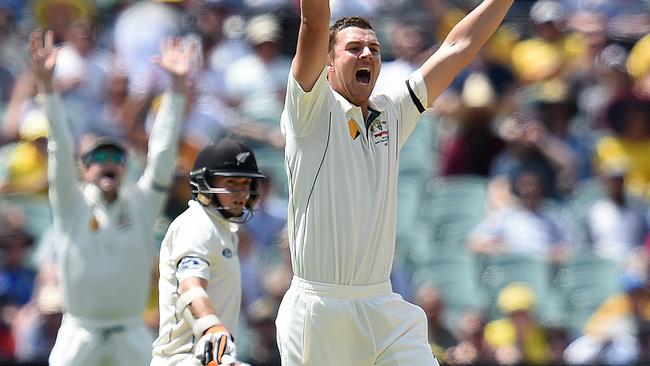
x=228 y=360
x=214 y=346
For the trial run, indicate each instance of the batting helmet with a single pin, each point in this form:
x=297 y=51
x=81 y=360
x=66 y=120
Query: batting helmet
x=225 y=158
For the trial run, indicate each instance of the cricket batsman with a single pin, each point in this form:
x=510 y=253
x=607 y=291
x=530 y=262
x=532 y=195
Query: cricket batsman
x=200 y=280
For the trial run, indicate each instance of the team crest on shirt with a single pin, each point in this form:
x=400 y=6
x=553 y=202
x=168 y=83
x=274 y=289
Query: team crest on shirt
x=379 y=130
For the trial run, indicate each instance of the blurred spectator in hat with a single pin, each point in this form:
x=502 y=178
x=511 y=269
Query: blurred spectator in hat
x=256 y=85
x=60 y=15
x=81 y=77
x=16 y=279
x=598 y=83
x=136 y=41
x=475 y=146
x=529 y=227
x=551 y=48
x=638 y=65
x=23 y=164
x=617 y=223
x=219 y=50
x=610 y=335
x=210 y=115
x=440 y=338
x=529 y=147
x=517 y=338
x=629 y=118
x=556 y=107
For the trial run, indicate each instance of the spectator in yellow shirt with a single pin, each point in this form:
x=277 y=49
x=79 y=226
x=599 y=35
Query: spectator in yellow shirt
x=545 y=54
x=517 y=338
x=629 y=118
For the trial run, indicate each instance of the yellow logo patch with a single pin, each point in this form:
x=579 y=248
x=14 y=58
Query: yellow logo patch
x=354 y=130
x=94 y=224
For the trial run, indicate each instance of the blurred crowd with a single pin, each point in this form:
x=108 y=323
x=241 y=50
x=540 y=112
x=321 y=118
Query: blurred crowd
x=523 y=194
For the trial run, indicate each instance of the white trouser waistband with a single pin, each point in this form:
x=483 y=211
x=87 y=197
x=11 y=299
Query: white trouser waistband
x=101 y=324
x=341 y=291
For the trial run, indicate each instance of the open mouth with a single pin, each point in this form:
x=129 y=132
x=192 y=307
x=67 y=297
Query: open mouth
x=109 y=174
x=363 y=76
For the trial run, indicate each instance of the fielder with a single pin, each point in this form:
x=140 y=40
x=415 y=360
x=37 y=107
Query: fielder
x=200 y=281
x=106 y=250
x=342 y=155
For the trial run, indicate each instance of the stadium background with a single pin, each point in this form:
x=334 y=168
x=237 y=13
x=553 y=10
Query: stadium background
x=560 y=93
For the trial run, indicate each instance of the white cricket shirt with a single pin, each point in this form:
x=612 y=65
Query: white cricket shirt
x=106 y=251
x=201 y=234
x=342 y=173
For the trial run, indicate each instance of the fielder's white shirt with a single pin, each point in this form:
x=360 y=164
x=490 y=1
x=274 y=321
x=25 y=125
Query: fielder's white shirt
x=201 y=234
x=343 y=179
x=106 y=251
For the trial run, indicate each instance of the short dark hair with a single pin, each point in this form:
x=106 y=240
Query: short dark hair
x=346 y=22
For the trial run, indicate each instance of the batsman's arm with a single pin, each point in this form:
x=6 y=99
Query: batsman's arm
x=200 y=306
x=462 y=45
x=311 y=51
x=200 y=313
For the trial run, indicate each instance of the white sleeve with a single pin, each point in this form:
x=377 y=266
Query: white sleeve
x=62 y=171
x=161 y=157
x=302 y=110
x=410 y=97
x=191 y=251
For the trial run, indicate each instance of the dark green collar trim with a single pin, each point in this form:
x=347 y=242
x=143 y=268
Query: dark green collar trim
x=372 y=116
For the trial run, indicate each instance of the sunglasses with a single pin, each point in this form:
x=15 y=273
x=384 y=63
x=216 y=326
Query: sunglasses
x=106 y=156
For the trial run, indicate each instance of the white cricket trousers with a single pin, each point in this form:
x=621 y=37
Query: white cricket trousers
x=83 y=342
x=324 y=324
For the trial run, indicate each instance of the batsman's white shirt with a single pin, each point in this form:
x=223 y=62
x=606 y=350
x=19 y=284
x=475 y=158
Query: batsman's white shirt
x=201 y=234
x=106 y=251
x=342 y=188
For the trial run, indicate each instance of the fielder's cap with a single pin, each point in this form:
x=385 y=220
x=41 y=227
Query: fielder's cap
x=516 y=297
x=544 y=11
x=263 y=28
x=105 y=143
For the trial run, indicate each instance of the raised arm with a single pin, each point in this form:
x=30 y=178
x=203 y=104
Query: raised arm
x=311 y=51
x=62 y=172
x=462 y=45
x=175 y=59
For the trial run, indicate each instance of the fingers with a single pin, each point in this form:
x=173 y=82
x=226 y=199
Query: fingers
x=222 y=342
x=169 y=44
x=34 y=42
x=49 y=41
